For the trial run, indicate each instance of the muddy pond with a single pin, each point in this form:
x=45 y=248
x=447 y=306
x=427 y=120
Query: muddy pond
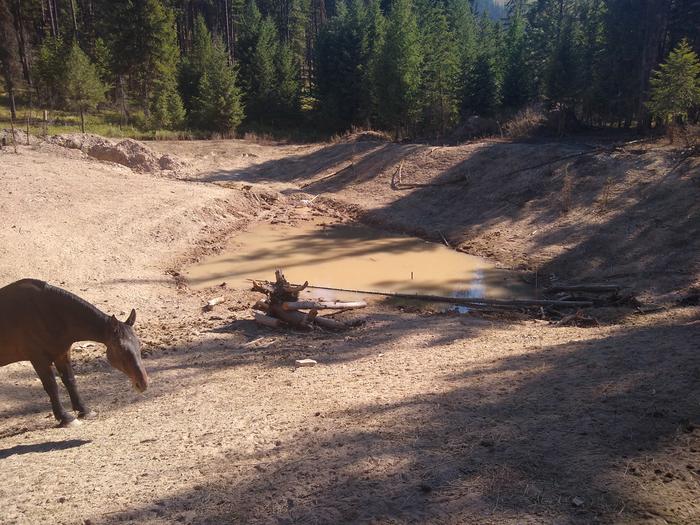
x=351 y=256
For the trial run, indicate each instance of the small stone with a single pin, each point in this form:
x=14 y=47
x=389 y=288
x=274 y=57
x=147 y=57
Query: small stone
x=577 y=502
x=305 y=362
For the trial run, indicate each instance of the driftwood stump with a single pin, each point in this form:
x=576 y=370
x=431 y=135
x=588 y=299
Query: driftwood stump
x=282 y=304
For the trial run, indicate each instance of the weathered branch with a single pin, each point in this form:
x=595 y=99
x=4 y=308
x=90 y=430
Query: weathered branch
x=476 y=302
x=265 y=320
x=322 y=305
x=591 y=288
x=298 y=319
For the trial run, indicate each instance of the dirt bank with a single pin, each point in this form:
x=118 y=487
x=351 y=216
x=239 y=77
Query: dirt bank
x=568 y=210
x=412 y=417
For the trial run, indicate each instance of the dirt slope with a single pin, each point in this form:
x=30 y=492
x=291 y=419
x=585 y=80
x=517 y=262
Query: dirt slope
x=413 y=417
x=572 y=210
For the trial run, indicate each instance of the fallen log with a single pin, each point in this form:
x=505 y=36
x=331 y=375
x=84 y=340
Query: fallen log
x=265 y=320
x=298 y=319
x=472 y=301
x=322 y=305
x=590 y=288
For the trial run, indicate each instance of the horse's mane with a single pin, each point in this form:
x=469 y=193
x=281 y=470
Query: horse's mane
x=79 y=305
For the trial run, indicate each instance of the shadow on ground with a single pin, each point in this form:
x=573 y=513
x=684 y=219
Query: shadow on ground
x=190 y=362
x=617 y=213
x=580 y=432
x=47 y=446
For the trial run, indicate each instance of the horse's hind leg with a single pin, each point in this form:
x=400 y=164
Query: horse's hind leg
x=48 y=379
x=65 y=370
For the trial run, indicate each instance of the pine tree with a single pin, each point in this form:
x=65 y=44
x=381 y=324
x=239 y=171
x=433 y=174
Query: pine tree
x=258 y=47
x=247 y=42
x=375 y=33
x=563 y=73
x=482 y=92
x=49 y=71
x=83 y=88
x=464 y=27
x=143 y=42
x=261 y=97
x=287 y=85
x=219 y=101
x=341 y=61
x=516 y=81
x=544 y=19
x=161 y=56
x=593 y=45
x=193 y=68
x=676 y=85
x=400 y=64
x=102 y=58
x=296 y=40
x=439 y=82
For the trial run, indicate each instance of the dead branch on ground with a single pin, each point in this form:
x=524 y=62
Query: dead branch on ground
x=282 y=306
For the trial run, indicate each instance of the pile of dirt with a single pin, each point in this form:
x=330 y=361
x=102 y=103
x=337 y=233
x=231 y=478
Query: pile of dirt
x=127 y=152
x=20 y=137
x=365 y=136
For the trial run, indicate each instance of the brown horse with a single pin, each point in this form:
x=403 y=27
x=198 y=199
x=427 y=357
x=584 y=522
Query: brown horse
x=40 y=322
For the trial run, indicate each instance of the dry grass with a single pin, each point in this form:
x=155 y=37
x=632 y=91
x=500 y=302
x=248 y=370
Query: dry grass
x=525 y=123
x=264 y=139
x=356 y=134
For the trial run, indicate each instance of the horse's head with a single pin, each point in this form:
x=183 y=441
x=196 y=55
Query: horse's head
x=124 y=351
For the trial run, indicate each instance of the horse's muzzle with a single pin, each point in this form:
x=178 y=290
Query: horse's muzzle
x=140 y=382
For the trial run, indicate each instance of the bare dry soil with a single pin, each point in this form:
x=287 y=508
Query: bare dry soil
x=413 y=417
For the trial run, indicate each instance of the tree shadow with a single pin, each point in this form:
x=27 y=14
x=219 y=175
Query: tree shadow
x=569 y=433
x=618 y=212
x=326 y=170
x=189 y=363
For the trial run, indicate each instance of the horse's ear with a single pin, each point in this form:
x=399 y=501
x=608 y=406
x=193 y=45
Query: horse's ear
x=132 y=318
x=113 y=323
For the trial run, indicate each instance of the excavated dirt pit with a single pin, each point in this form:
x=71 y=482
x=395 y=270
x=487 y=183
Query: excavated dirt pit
x=352 y=257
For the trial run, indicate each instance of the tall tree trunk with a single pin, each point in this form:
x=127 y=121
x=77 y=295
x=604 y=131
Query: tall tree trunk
x=122 y=100
x=560 y=19
x=52 y=18
x=22 y=43
x=229 y=47
x=13 y=107
x=56 y=16
x=43 y=15
x=82 y=120
x=75 y=19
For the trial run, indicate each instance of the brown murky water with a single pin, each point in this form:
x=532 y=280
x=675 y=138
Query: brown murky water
x=354 y=257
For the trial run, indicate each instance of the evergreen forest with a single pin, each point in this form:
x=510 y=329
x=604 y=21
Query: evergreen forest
x=415 y=68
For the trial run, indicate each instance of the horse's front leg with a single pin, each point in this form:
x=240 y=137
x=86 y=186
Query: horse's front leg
x=48 y=379
x=65 y=369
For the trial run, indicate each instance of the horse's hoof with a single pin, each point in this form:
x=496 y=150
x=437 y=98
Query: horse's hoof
x=88 y=414
x=69 y=423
